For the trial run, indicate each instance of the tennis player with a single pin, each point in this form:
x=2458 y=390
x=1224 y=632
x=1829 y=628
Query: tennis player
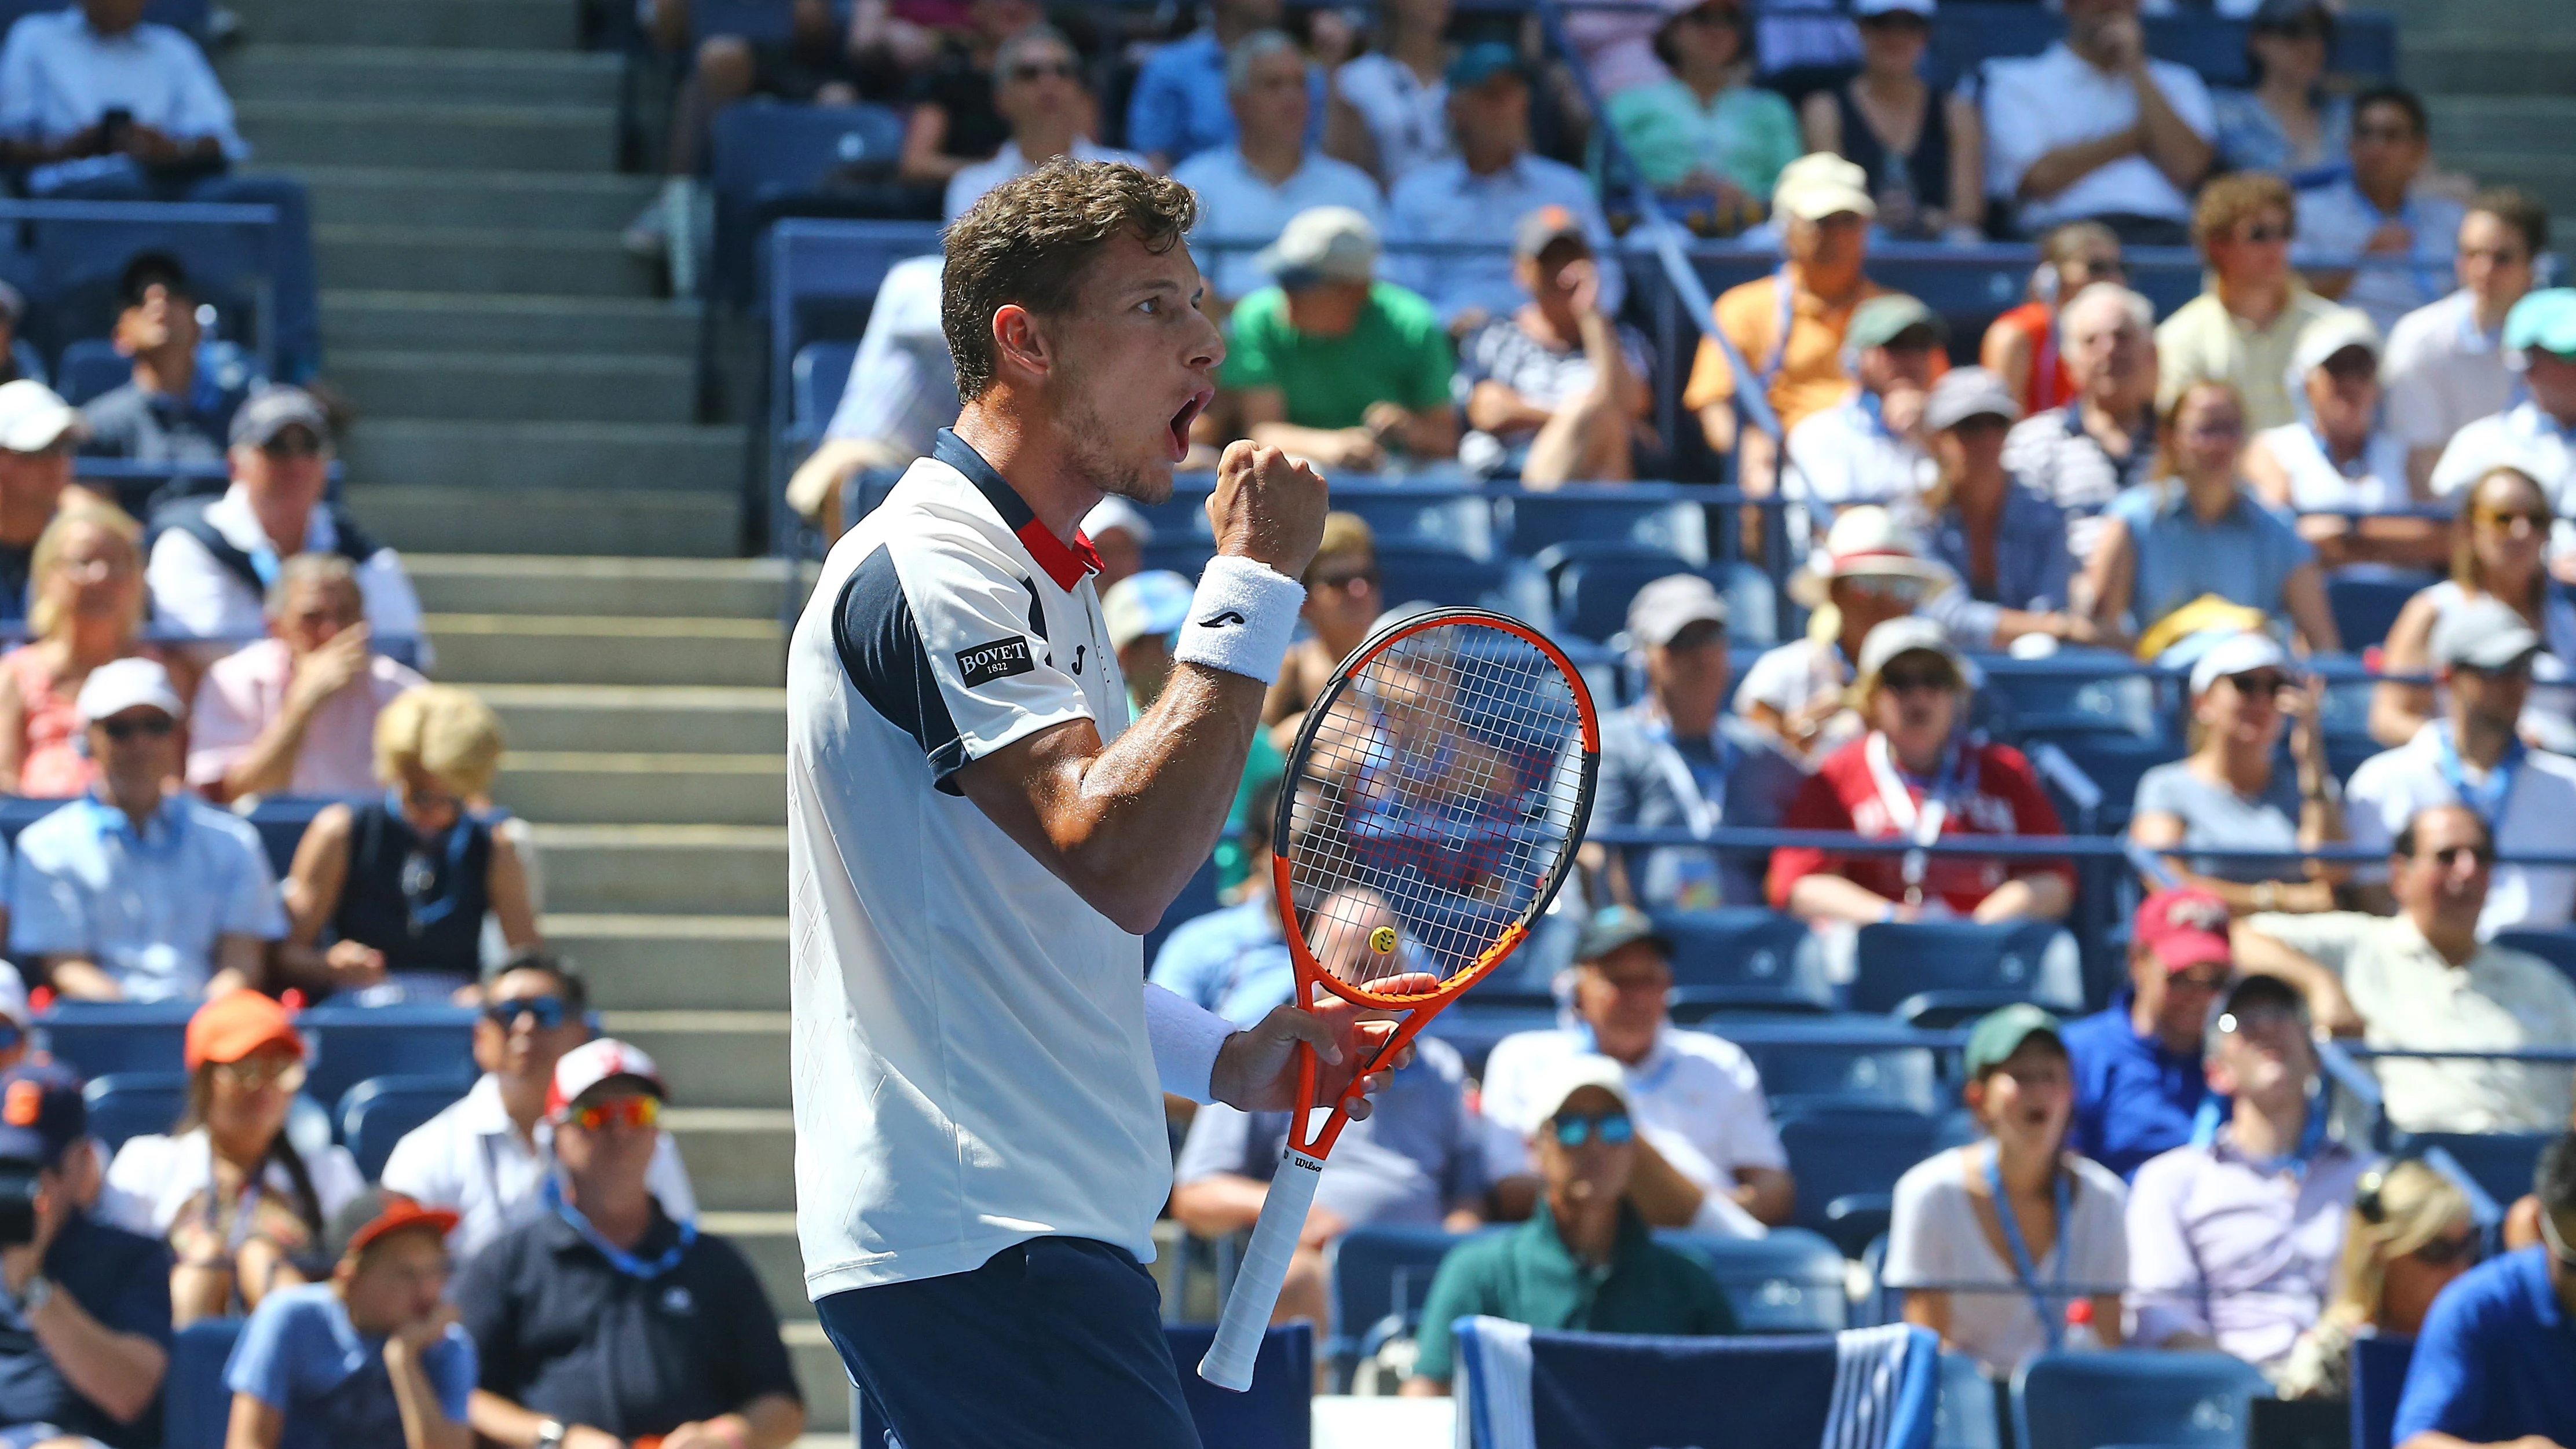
x=976 y=836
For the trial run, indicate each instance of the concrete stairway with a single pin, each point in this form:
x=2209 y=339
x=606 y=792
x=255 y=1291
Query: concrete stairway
x=477 y=309
x=2495 y=74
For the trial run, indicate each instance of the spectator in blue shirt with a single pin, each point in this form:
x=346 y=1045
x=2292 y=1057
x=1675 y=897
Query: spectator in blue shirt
x=2005 y=539
x=371 y=1359
x=2492 y=1364
x=1180 y=106
x=133 y=892
x=85 y=1326
x=2378 y=213
x=1249 y=189
x=2138 y=1078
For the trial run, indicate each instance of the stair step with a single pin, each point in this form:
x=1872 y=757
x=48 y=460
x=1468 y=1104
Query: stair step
x=821 y=1374
x=2501 y=122
x=609 y=466
x=260 y=73
x=691 y=870
x=479 y=260
x=667 y=588
x=435 y=136
x=677 y=963
x=606 y=649
x=2548 y=175
x=710 y=1058
x=426 y=321
x=412 y=196
x=740 y=1158
x=2504 y=17
x=2488 y=62
x=516 y=386
x=598 y=787
x=768 y=1239
x=686 y=718
x=430 y=519
x=449 y=24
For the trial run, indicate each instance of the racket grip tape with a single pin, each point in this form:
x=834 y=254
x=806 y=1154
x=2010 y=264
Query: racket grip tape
x=1228 y=1364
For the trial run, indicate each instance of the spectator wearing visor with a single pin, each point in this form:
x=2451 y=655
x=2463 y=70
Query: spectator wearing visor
x=2423 y=980
x=1248 y=190
x=1871 y=447
x=242 y=1208
x=85 y=1330
x=2473 y=755
x=38 y=432
x=401 y=883
x=175 y=408
x=1556 y=389
x=135 y=891
x=369 y=1357
x=489 y=1154
x=214 y=560
x=2002 y=539
x=604 y=1319
x=1991 y=1242
x=2532 y=436
x=1676 y=760
x=85 y=608
x=2337 y=467
x=2490 y=1367
x=2234 y=1237
x=295 y=713
x=1872 y=569
x=1585 y=1259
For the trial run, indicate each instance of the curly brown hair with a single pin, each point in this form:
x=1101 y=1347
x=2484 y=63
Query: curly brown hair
x=2235 y=199
x=1028 y=241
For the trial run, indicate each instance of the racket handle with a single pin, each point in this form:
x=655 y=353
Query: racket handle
x=1228 y=1364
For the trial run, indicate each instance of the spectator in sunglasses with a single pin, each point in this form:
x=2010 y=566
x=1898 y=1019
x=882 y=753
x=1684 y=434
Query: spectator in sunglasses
x=170 y=409
x=2490 y=1366
x=2499 y=551
x=2337 y=468
x=2483 y=657
x=1870 y=570
x=1249 y=189
x=488 y=1155
x=2022 y=346
x=1038 y=88
x=2377 y=213
x=2532 y=435
x=604 y=1320
x=242 y=1208
x=2409 y=1235
x=2245 y=327
x=2424 y=979
x=86 y=575
x=1585 y=1259
x=135 y=891
x=1344 y=596
x=212 y=559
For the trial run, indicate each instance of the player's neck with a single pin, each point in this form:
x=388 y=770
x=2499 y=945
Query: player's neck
x=1001 y=431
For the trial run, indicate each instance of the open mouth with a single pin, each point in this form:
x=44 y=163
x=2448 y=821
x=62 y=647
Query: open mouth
x=1187 y=415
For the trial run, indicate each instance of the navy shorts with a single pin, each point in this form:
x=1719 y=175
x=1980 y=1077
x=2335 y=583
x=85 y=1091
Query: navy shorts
x=1055 y=1343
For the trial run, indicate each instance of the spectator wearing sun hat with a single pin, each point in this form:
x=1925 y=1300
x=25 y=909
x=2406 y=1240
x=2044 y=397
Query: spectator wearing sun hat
x=134 y=891
x=369 y=1357
x=602 y=1313
x=1870 y=570
x=2533 y=435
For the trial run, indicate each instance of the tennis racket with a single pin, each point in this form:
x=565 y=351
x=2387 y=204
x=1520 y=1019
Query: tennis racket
x=1431 y=808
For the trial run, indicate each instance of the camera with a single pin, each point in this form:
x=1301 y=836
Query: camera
x=17 y=1202
x=113 y=125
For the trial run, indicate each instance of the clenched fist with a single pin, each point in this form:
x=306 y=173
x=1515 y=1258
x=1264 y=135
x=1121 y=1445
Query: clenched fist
x=1267 y=507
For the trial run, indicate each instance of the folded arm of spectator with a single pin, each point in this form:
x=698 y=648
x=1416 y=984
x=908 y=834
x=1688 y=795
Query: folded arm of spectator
x=2164 y=137
x=2061 y=168
x=2314 y=965
x=1430 y=432
x=1263 y=412
x=118 y=1372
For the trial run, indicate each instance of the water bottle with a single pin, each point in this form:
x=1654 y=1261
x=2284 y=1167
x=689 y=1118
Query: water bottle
x=2080 y=1337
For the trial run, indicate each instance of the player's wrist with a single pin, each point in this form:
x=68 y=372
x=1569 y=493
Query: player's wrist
x=1241 y=618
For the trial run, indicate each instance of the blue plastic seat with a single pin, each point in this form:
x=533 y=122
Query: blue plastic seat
x=2172 y=1399
x=1276 y=1412
x=2379 y=1365
x=1744 y=959
x=2366 y=598
x=820 y=375
x=1846 y=1160
x=1378 y=1273
x=1788 y=1282
x=2500 y=1163
x=353 y=1043
x=1595 y=581
x=101 y=1038
x=281 y=821
x=1824 y=1076
x=765 y=154
x=1458 y=520
x=1601 y=515
x=195 y=1405
x=1970 y=1416
x=1943 y=972
x=90 y=366
x=134 y=1104
x=2558 y=948
x=376 y=1113
x=1435 y=575
x=2114 y=761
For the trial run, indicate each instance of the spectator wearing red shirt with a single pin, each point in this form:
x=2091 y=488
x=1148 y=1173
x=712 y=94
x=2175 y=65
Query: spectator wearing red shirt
x=1916 y=774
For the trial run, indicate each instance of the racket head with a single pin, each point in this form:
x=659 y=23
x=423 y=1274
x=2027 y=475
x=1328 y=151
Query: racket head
x=1431 y=808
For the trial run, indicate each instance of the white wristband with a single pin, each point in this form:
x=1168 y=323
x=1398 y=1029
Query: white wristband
x=1241 y=619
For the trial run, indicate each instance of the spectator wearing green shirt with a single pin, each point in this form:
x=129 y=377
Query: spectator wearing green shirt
x=1584 y=1260
x=1332 y=364
x=1708 y=133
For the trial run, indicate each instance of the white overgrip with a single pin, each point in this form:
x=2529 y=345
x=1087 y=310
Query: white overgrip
x=1228 y=1364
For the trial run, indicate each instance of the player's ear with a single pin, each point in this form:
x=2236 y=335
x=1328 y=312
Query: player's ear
x=1019 y=344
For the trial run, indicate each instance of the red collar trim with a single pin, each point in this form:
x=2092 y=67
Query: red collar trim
x=1067 y=564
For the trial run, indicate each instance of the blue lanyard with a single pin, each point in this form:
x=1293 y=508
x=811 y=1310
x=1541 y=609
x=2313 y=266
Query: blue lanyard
x=459 y=834
x=1711 y=777
x=2312 y=1137
x=2489 y=798
x=110 y=821
x=2051 y=1323
x=618 y=1258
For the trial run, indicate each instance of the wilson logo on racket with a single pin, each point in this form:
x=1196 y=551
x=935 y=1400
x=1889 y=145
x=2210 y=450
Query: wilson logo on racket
x=1224 y=618
x=998 y=660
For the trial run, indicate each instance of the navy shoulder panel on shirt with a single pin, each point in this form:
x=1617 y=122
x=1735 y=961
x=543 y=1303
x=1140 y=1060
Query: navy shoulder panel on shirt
x=880 y=647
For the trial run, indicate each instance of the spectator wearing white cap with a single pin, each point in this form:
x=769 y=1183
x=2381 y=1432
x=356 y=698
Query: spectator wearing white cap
x=1871 y=570
x=1118 y=531
x=2446 y=361
x=2093 y=127
x=1249 y=190
x=1038 y=88
x=1331 y=363
x=2229 y=793
x=901 y=391
x=213 y=560
x=2538 y=434
x=1706 y=135
x=2337 y=467
x=1557 y=388
x=1870 y=446
x=1676 y=760
x=2482 y=653
x=2502 y=553
x=2003 y=539
x=134 y=891
x=38 y=433
x=1924 y=150
x=86 y=608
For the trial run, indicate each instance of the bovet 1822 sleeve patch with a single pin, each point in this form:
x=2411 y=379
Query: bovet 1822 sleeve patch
x=1000 y=659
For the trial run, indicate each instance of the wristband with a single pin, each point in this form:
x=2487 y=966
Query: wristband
x=1241 y=618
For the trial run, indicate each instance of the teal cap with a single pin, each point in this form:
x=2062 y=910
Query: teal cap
x=2545 y=319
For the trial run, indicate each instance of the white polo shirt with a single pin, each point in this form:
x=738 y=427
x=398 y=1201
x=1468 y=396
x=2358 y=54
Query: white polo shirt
x=1845 y=455
x=155 y=1177
x=2539 y=815
x=1697 y=1098
x=970 y=1053
x=469 y=1157
x=2057 y=98
x=2443 y=372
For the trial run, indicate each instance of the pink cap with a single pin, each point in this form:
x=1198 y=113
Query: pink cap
x=2185 y=928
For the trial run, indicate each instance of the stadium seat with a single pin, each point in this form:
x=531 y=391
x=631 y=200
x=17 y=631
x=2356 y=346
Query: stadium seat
x=1937 y=973
x=767 y=155
x=376 y=1113
x=2500 y=1163
x=1276 y=1412
x=2172 y=1399
x=353 y=1043
x=96 y=1038
x=1837 y=1071
x=2366 y=599
x=1971 y=1408
x=816 y=380
x=90 y=366
x=2114 y=761
x=281 y=821
x=1744 y=959
x=1595 y=581
x=2378 y=1379
x=1436 y=575
x=1378 y=1274
x=1846 y=1161
x=195 y=1405
x=134 y=1104
x=1458 y=520
x=1479 y=1020
x=2558 y=948
x=1788 y=1282
x=1603 y=514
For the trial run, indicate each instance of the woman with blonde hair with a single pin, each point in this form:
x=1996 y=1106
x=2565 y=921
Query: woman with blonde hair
x=2410 y=1234
x=402 y=883
x=86 y=583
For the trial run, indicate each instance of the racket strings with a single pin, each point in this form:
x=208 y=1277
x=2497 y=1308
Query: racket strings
x=1434 y=804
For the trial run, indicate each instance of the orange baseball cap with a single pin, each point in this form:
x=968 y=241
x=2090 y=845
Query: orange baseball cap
x=234 y=1025
x=373 y=1213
